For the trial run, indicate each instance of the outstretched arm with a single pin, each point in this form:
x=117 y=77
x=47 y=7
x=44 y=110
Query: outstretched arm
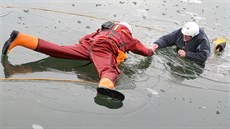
x=138 y=48
x=166 y=40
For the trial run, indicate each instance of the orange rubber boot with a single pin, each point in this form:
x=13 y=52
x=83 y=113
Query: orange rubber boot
x=18 y=38
x=107 y=83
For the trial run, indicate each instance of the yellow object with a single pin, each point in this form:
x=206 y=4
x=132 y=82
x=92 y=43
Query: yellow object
x=121 y=56
x=24 y=40
x=219 y=44
x=107 y=83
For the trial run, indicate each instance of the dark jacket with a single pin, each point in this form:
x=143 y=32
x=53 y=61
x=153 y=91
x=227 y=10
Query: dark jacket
x=197 y=49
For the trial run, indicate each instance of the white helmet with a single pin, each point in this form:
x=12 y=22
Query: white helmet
x=128 y=26
x=190 y=29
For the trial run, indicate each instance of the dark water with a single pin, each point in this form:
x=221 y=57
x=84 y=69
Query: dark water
x=163 y=91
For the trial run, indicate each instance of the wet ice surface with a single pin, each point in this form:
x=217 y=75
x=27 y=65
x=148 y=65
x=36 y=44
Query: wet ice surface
x=161 y=92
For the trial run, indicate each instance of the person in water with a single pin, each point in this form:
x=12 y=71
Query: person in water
x=191 y=41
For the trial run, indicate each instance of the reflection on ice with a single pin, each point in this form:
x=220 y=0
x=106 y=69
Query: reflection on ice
x=4 y=12
x=36 y=126
x=152 y=92
x=195 y=16
x=192 y=1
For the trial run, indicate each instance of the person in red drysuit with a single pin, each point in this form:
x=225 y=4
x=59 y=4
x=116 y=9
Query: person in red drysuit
x=105 y=48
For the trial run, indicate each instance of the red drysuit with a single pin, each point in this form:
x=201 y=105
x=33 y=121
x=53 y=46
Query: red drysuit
x=101 y=47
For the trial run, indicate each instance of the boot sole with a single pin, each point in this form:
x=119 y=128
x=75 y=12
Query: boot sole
x=111 y=93
x=7 y=44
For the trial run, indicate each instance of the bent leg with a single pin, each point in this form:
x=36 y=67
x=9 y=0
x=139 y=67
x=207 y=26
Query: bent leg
x=76 y=52
x=105 y=63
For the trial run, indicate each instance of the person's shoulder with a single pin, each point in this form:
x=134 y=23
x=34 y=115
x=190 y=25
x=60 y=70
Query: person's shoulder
x=201 y=31
x=202 y=35
x=177 y=31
